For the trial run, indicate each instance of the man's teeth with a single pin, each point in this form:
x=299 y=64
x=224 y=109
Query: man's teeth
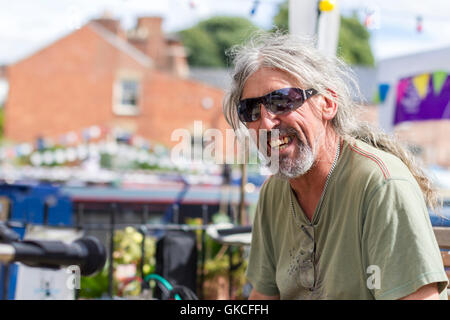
x=277 y=143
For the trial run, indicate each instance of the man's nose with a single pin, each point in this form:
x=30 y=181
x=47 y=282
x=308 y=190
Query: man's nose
x=268 y=119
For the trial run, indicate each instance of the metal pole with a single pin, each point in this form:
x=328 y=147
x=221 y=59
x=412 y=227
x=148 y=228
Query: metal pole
x=80 y=215
x=241 y=212
x=111 y=251
x=145 y=214
x=5 y=281
x=305 y=19
x=176 y=214
x=202 y=275
x=230 y=273
x=143 y=231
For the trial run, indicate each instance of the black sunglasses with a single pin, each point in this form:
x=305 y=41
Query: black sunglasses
x=277 y=102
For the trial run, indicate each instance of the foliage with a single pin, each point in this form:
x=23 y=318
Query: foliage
x=281 y=19
x=353 y=43
x=219 y=267
x=94 y=286
x=127 y=244
x=208 y=41
x=354 y=46
x=202 y=50
x=217 y=262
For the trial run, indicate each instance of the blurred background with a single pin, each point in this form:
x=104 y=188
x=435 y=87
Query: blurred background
x=91 y=92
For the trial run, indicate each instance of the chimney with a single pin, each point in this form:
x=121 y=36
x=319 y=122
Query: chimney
x=177 y=58
x=2 y=71
x=4 y=86
x=168 y=53
x=150 y=39
x=110 y=24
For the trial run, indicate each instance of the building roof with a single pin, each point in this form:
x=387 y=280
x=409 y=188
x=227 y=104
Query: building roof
x=217 y=77
x=121 y=44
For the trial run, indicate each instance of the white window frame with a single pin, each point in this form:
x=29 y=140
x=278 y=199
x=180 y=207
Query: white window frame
x=126 y=109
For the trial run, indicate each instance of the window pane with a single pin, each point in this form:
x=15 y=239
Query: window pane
x=130 y=92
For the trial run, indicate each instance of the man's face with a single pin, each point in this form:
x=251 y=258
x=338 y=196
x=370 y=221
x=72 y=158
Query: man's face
x=299 y=130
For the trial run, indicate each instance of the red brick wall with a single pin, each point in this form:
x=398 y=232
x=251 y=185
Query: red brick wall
x=69 y=86
x=172 y=103
x=430 y=136
x=155 y=46
x=66 y=86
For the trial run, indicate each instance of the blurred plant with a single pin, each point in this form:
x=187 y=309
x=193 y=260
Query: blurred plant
x=128 y=248
x=95 y=286
x=208 y=41
x=217 y=262
x=127 y=245
x=218 y=268
x=354 y=45
x=198 y=232
x=221 y=217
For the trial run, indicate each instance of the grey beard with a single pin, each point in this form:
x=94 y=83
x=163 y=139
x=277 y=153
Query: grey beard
x=290 y=168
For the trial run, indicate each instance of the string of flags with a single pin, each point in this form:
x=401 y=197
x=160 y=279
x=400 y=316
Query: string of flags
x=254 y=7
x=196 y=5
x=423 y=84
x=419 y=24
x=78 y=145
x=420 y=97
x=87 y=146
x=372 y=15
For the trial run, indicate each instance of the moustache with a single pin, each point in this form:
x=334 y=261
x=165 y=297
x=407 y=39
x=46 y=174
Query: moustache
x=285 y=131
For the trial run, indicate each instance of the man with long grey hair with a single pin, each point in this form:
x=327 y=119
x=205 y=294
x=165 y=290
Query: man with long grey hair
x=345 y=216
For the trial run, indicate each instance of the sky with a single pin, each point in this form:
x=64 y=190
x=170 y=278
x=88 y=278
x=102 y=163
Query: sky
x=28 y=25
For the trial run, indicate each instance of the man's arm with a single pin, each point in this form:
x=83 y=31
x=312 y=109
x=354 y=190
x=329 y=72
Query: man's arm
x=255 y=295
x=427 y=292
x=397 y=233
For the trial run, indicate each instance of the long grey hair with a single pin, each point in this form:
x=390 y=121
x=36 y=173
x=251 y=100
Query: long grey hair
x=299 y=58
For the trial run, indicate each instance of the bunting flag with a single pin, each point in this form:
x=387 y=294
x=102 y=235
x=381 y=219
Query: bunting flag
x=421 y=84
x=383 y=89
x=71 y=145
x=439 y=78
x=419 y=24
x=376 y=97
x=254 y=8
x=401 y=88
x=423 y=97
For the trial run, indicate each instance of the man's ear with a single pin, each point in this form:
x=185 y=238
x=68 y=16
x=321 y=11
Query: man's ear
x=329 y=108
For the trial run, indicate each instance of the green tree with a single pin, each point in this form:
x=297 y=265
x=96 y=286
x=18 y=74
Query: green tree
x=201 y=48
x=208 y=41
x=353 y=43
x=281 y=20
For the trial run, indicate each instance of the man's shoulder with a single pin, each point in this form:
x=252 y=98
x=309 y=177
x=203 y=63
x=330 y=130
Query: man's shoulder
x=273 y=183
x=375 y=164
x=274 y=191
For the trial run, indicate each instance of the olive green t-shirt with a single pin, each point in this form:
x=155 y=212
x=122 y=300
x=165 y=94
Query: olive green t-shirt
x=370 y=236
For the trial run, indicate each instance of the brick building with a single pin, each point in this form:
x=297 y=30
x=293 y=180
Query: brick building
x=3 y=85
x=428 y=140
x=102 y=75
